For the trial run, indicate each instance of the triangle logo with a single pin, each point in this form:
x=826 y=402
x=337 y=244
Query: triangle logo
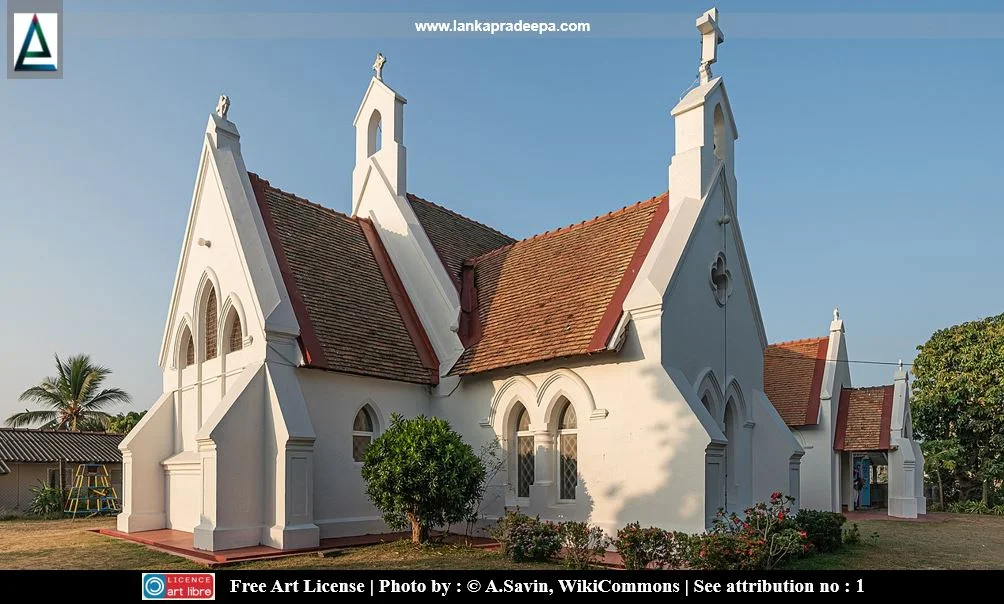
x=34 y=31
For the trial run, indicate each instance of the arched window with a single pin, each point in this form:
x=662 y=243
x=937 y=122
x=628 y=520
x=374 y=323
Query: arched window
x=210 y=330
x=374 y=134
x=719 y=133
x=235 y=338
x=186 y=348
x=523 y=446
x=568 y=452
x=362 y=434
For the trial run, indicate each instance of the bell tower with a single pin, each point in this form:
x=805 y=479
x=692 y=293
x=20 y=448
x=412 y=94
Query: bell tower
x=705 y=129
x=380 y=151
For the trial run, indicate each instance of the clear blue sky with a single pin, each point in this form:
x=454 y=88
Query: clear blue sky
x=868 y=167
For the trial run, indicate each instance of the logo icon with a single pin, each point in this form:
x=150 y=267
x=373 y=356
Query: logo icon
x=35 y=34
x=153 y=586
x=179 y=586
x=36 y=53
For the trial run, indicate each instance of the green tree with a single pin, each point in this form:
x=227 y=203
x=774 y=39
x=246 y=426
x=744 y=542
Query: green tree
x=123 y=422
x=421 y=473
x=958 y=398
x=940 y=460
x=72 y=399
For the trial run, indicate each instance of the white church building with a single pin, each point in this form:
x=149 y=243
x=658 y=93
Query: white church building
x=619 y=361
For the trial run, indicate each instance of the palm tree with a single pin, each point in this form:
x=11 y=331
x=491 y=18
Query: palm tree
x=73 y=399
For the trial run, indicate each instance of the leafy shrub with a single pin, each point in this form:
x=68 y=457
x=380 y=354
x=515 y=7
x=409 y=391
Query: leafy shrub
x=852 y=534
x=420 y=472
x=523 y=538
x=584 y=544
x=46 y=501
x=761 y=540
x=641 y=547
x=823 y=529
x=975 y=507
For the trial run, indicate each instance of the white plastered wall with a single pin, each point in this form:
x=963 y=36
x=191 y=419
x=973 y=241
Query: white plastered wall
x=208 y=454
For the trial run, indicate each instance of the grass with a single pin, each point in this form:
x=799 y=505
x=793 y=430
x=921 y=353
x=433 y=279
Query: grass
x=955 y=542
x=68 y=544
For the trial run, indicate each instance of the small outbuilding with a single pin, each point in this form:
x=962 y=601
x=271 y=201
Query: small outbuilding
x=30 y=457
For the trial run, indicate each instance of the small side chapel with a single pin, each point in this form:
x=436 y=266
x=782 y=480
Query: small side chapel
x=618 y=361
x=850 y=435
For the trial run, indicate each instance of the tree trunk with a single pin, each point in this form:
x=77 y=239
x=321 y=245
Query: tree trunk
x=986 y=494
x=941 y=494
x=419 y=531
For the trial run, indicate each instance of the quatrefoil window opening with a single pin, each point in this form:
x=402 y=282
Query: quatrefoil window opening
x=721 y=279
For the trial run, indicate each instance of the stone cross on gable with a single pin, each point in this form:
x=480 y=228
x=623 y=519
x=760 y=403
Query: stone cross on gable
x=223 y=106
x=711 y=37
x=378 y=66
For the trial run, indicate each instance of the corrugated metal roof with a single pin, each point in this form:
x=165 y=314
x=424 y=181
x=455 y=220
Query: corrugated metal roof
x=21 y=445
x=3 y=468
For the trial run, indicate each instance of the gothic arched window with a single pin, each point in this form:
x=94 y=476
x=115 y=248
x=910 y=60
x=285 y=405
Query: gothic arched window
x=568 y=452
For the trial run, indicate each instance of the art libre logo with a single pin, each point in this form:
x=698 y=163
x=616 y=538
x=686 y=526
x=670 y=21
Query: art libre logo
x=179 y=586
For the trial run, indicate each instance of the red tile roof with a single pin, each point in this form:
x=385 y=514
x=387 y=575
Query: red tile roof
x=558 y=294
x=455 y=237
x=863 y=419
x=793 y=379
x=353 y=313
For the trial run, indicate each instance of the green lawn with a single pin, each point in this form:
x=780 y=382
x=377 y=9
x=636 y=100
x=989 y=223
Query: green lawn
x=957 y=542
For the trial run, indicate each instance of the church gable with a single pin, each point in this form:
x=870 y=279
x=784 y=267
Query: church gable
x=558 y=294
x=225 y=294
x=353 y=313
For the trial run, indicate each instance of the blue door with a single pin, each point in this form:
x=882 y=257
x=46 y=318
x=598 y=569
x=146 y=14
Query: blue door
x=862 y=468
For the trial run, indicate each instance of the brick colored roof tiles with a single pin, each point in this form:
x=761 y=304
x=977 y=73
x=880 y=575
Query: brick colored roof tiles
x=793 y=379
x=354 y=316
x=863 y=419
x=558 y=294
x=455 y=237
x=22 y=445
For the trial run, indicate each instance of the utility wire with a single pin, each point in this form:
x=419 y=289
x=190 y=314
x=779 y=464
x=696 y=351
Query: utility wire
x=813 y=359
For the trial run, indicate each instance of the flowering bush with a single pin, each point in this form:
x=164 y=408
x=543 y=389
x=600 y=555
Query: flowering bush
x=761 y=540
x=523 y=538
x=640 y=547
x=584 y=544
x=824 y=529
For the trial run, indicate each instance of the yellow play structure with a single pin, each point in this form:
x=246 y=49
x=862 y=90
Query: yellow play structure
x=92 y=492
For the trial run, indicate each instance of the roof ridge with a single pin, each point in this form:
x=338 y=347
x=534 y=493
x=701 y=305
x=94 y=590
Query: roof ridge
x=52 y=431
x=880 y=387
x=651 y=200
x=799 y=341
x=304 y=200
x=458 y=215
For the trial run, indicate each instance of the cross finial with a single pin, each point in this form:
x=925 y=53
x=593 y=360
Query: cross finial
x=836 y=313
x=711 y=37
x=378 y=66
x=223 y=106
